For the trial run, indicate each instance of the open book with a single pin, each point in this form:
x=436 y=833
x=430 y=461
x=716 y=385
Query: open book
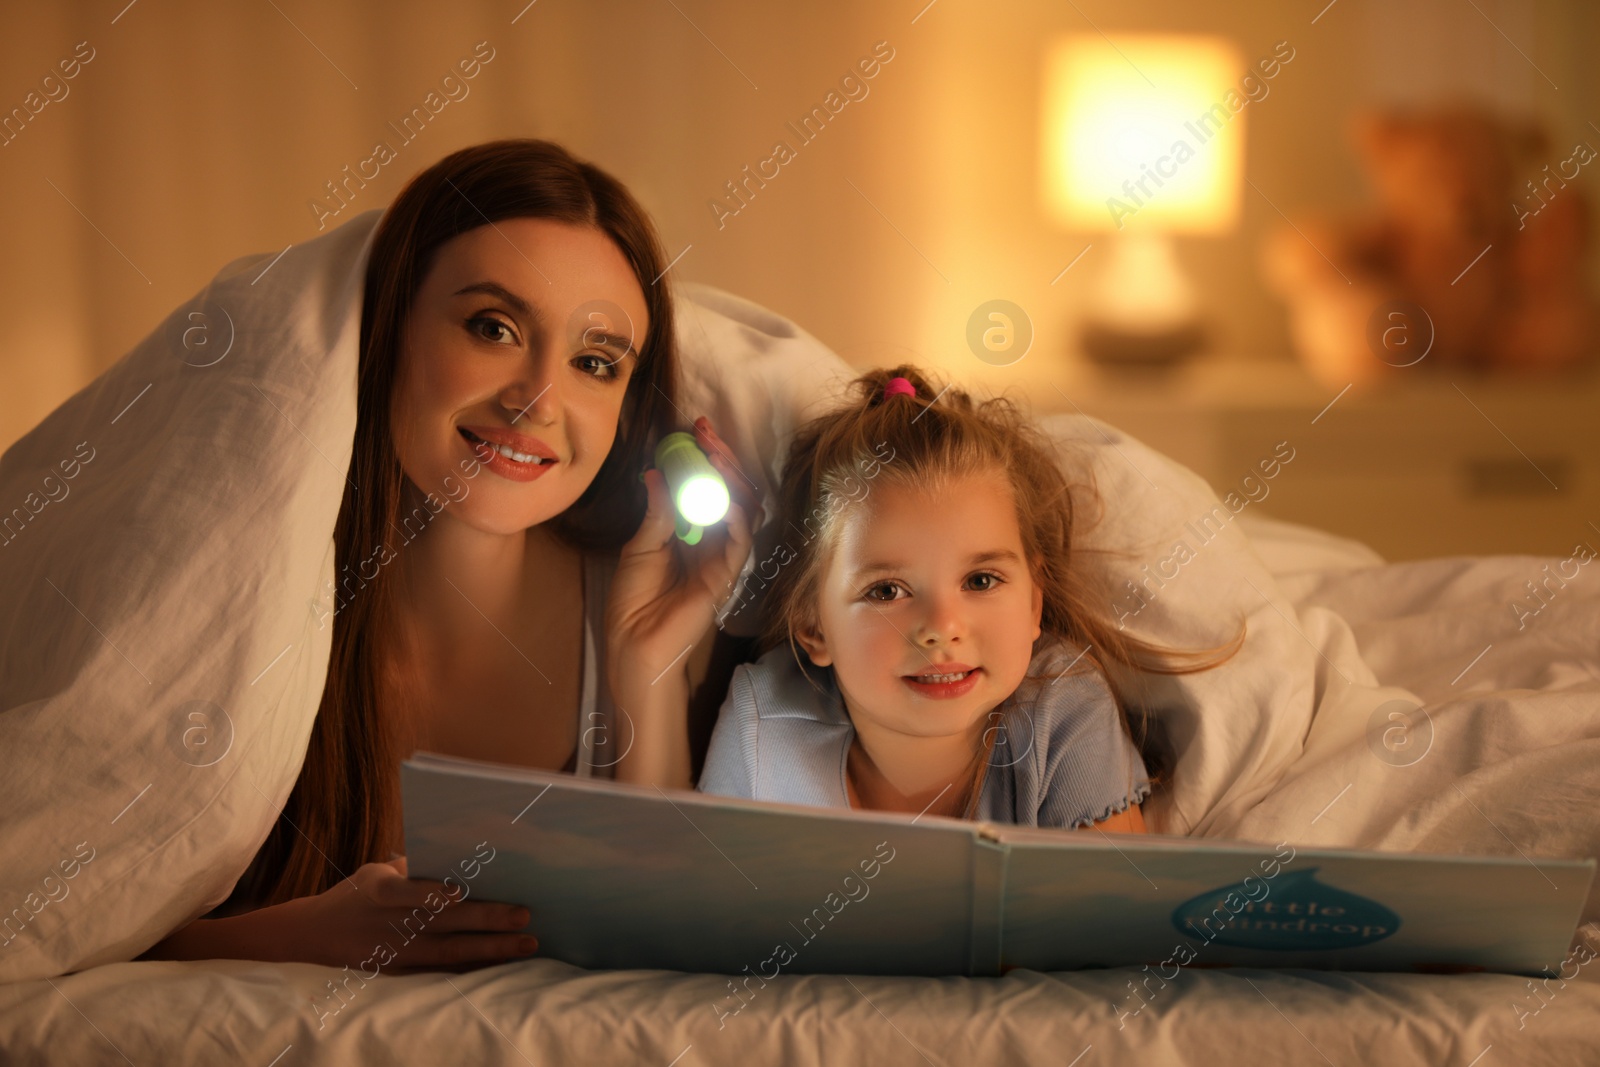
x=620 y=876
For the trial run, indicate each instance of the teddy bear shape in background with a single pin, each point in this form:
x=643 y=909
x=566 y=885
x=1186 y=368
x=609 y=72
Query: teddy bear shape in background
x=1452 y=181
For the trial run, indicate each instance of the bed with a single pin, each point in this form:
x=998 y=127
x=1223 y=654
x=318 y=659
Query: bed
x=1292 y=741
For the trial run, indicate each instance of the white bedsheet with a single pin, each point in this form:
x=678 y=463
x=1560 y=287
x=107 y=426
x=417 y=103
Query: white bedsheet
x=1512 y=766
x=229 y=1012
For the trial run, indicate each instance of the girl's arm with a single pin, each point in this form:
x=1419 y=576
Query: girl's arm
x=1124 y=822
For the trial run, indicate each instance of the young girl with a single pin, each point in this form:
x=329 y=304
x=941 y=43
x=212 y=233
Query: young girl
x=955 y=658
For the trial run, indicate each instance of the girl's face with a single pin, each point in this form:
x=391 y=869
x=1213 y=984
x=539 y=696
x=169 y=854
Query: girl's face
x=920 y=585
x=523 y=337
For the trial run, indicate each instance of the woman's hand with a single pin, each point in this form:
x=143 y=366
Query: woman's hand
x=664 y=596
x=377 y=920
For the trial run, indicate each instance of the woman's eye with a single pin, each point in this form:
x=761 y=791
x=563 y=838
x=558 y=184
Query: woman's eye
x=888 y=587
x=597 y=365
x=991 y=581
x=491 y=330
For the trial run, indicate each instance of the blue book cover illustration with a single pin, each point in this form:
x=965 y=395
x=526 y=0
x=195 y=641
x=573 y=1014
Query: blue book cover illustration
x=620 y=877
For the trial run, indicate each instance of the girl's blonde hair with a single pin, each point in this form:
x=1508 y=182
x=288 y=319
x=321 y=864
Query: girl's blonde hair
x=925 y=442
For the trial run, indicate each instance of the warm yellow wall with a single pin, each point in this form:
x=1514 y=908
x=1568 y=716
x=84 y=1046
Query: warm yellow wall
x=200 y=132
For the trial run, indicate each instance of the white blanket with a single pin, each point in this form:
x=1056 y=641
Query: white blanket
x=1508 y=756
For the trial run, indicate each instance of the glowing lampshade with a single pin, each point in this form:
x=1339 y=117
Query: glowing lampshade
x=1139 y=132
x=699 y=495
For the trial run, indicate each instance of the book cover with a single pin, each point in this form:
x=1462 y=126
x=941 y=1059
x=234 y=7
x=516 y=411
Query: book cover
x=621 y=877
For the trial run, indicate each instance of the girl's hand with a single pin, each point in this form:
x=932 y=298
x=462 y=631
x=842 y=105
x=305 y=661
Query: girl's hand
x=384 y=922
x=665 y=594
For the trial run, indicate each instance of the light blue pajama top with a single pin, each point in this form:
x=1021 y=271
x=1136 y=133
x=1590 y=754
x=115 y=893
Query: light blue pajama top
x=1061 y=756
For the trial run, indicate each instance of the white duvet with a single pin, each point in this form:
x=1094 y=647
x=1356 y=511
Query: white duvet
x=160 y=668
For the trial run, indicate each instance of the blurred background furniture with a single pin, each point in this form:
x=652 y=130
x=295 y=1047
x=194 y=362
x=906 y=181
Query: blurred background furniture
x=1434 y=466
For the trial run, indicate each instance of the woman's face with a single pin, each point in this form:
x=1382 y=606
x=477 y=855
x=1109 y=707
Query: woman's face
x=522 y=339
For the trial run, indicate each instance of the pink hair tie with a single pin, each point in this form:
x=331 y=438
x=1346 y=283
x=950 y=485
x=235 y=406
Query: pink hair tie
x=897 y=386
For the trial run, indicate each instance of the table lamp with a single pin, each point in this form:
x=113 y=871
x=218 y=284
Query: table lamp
x=1139 y=142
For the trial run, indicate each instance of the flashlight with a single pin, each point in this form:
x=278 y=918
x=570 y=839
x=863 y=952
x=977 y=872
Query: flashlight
x=699 y=495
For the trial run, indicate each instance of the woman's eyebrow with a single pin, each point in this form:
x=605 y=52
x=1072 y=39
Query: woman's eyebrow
x=495 y=289
x=615 y=342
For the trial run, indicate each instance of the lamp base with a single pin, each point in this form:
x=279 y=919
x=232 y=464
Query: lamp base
x=1113 y=346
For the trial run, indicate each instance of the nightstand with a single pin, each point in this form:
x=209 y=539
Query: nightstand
x=1440 y=464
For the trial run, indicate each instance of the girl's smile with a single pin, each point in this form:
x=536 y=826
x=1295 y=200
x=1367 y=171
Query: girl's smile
x=948 y=681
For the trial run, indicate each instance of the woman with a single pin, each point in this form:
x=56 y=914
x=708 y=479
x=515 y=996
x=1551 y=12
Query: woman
x=517 y=364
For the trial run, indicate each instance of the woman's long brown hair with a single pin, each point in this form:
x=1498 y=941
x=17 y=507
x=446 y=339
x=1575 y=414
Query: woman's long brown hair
x=938 y=435
x=344 y=809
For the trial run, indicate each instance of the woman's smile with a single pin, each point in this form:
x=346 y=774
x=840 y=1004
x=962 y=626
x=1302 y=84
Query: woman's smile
x=507 y=453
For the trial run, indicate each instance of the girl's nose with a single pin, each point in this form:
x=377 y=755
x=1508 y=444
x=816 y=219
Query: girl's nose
x=941 y=622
